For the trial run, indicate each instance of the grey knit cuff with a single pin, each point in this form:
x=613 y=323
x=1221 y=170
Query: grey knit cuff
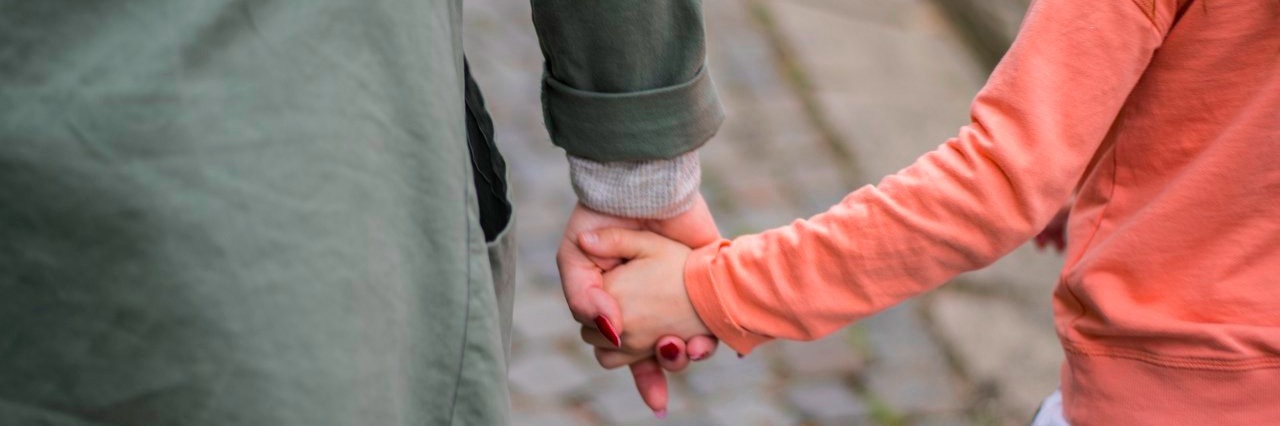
x=647 y=189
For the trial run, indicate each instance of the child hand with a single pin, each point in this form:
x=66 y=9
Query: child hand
x=649 y=288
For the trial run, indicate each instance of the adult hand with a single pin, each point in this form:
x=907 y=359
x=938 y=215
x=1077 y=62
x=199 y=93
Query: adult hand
x=582 y=279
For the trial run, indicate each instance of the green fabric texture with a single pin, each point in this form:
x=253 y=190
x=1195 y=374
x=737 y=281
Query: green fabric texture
x=222 y=212
x=654 y=124
x=641 y=93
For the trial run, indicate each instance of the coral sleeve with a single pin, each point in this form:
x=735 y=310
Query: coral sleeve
x=1035 y=126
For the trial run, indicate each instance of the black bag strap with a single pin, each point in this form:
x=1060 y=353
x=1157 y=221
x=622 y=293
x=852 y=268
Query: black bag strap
x=487 y=166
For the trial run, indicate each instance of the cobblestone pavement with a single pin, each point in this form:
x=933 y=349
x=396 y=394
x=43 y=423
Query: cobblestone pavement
x=822 y=96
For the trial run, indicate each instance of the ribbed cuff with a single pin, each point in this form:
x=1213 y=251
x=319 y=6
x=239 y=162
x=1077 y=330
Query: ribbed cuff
x=644 y=125
x=651 y=189
x=714 y=310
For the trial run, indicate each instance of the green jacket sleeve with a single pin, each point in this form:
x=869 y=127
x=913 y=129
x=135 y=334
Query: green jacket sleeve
x=625 y=79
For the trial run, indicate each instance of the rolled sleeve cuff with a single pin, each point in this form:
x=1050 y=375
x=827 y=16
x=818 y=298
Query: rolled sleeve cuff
x=645 y=125
x=711 y=307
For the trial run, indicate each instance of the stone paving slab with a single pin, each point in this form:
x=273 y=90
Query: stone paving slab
x=832 y=356
x=554 y=418
x=990 y=25
x=749 y=407
x=893 y=88
x=541 y=317
x=910 y=372
x=998 y=343
x=547 y=375
x=952 y=420
x=726 y=373
x=618 y=403
x=828 y=401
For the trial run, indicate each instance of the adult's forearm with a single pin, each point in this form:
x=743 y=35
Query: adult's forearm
x=626 y=80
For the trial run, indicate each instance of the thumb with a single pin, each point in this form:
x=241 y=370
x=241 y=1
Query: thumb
x=609 y=317
x=618 y=243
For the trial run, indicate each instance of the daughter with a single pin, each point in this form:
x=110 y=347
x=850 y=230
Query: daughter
x=1162 y=116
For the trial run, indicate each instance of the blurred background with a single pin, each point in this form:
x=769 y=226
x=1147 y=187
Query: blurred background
x=822 y=96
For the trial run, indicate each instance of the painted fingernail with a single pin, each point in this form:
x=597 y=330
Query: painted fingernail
x=660 y=414
x=740 y=355
x=606 y=328
x=669 y=351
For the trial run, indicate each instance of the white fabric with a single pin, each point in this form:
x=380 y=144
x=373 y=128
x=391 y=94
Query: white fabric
x=650 y=189
x=1051 y=412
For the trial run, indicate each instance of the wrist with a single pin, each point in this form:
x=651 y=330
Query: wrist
x=649 y=189
x=706 y=294
x=696 y=326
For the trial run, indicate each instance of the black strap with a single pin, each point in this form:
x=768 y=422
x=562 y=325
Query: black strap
x=487 y=166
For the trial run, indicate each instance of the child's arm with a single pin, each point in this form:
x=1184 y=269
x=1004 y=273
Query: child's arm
x=1035 y=126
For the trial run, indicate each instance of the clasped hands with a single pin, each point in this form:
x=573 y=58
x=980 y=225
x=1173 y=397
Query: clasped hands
x=624 y=282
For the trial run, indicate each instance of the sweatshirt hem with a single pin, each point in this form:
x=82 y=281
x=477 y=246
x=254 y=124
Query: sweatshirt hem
x=1173 y=361
x=1123 y=386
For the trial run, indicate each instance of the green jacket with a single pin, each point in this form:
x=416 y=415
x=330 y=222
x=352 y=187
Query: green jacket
x=262 y=212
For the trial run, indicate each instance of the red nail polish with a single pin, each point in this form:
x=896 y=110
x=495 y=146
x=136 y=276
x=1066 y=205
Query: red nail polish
x=606 y=328
x=740 y=355
x=669 y=351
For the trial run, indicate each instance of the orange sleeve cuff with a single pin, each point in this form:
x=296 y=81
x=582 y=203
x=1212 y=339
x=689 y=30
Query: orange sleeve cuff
x=713 y=300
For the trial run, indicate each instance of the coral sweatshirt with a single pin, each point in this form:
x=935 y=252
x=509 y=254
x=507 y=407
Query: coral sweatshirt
x=1164 y=117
